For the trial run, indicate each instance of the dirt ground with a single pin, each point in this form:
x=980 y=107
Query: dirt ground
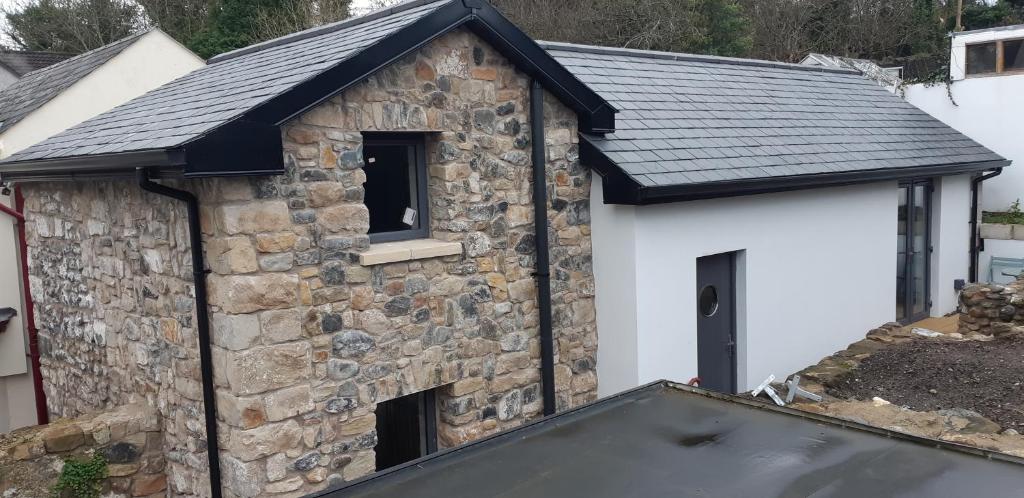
x=930 y=375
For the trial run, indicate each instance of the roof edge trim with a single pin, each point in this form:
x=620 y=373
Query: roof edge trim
x=677 y=56
x=105 y=164
x=712 y=190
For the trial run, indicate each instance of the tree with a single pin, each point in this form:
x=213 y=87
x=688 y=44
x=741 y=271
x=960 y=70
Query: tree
x=235 y=24
x=70 y=26
x=181 y=19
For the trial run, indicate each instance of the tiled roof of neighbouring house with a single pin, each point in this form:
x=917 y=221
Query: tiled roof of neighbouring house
x=228 y=86
x=39 y=87
x=23 y=62
x=687 y=119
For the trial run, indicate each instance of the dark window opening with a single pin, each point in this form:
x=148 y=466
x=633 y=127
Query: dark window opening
x=406 y=429
x=1002 y=56
x=396 y=186
x=981 y=58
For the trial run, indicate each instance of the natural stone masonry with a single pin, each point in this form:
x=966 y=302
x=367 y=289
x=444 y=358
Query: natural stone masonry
x=307 y=340
x=128 y=438
x=110 y=272
x=992 y=309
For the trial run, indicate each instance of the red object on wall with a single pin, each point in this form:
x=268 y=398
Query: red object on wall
x=42 y=414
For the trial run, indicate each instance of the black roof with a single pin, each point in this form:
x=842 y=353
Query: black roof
x=22 y=62
x=665 y=440
x=39 y=87
x=689 y=125
x=244 y=95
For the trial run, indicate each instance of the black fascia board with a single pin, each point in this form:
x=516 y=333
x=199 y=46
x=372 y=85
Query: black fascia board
x=104 y=165
x=242 y=148
x=712 y=190
x=616 y=185
x=595 y=114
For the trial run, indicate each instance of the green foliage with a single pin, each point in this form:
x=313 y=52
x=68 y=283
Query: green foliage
x=71 y=26
x=81 y=478
x=235 y=24
x=1013 y=216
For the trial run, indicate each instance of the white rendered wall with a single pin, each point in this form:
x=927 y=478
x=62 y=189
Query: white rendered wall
x=989 y=109
x=816 y=272
x=1001 y=249
x=152 y=60
x=614 y=237
x=951 y=234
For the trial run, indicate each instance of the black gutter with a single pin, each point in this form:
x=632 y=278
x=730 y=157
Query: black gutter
x=543 y=271
x=202 y=320
x=93 y=167
x=977 y=243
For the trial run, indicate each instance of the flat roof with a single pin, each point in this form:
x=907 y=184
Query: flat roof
x=669 y=440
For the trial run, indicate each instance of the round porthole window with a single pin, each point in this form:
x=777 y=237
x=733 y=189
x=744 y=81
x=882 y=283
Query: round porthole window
x=707 y=301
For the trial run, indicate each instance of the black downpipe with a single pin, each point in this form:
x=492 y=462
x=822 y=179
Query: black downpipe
x=543 y=271
x=202 y=320
x=977 y=244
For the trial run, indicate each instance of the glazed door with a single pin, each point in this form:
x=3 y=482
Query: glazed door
x=716 y=322
x=913 y=251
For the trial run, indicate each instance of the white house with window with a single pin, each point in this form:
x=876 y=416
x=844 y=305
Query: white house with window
x=985 y=101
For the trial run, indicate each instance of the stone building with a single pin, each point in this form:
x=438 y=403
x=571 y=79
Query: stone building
x=413 y=224
x=379 y=270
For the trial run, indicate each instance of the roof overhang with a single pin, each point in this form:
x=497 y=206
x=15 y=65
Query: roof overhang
x=620 y=188
x=251 y=144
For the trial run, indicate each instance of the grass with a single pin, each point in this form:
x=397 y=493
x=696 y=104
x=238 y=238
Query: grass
x=1013 y=216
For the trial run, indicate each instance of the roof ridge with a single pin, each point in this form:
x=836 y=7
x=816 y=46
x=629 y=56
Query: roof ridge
x=82 y=55
x=321 y=30
x=679 y=56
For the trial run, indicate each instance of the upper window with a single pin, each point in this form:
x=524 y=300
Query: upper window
x=396 y=186
x=996 y=57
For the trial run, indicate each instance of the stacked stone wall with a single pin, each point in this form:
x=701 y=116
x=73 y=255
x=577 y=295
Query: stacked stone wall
x=308 y=340
x=128 y=438
x=111 y=278
x=992 y=309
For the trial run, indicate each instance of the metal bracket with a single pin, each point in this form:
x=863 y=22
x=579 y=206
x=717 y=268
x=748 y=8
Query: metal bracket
x=793 y=390
x=766 y=386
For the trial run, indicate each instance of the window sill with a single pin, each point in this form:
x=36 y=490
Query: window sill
x=408 y=250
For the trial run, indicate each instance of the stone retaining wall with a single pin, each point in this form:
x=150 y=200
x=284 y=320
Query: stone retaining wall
x=128 y=438
x=992 y=309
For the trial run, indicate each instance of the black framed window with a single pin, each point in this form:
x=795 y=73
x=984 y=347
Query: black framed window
x=406 y=429
x=396 y=186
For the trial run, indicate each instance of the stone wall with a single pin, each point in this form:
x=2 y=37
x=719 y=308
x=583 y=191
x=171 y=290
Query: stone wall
x=111 y=275
x=128 y=438
x=310 y=340
x=306 y=339
x=992 y=309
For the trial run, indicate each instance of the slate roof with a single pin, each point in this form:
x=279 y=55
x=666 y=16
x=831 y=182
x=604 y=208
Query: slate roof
x=39 y=87
x=22 y=62
x=687 y=119
x=190 y=106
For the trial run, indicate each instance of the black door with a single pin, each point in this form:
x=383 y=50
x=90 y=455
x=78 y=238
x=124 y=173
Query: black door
x=406 y=429
x=716 y=322
x=913 y=251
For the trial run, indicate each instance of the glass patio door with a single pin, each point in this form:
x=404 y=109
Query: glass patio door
x=913 y=248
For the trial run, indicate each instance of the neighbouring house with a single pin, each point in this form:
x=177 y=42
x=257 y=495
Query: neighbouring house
x=17 y=63
x=983 y=99
x=341 y=250
x=60 y=92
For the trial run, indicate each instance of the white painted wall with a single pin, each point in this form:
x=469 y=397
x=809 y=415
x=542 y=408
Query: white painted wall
x=951 y=234
x=816 y=273
x=152 y=60
x=998 y=248
x=613 y=233
x=989 y=109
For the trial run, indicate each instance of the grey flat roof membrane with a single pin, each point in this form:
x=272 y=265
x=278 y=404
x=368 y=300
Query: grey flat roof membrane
x=664 y=440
